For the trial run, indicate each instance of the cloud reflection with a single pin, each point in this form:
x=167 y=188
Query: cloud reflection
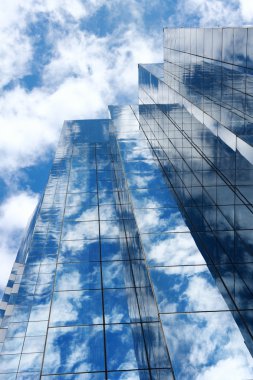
x=74 y=349
x=202 y=346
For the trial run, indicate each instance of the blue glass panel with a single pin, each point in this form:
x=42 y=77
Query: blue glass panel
x=171 y=249
x=9 y=376
x=74 y=349
x=80 y=376
x=36 y=328
x=12 y=345
x=33 y=344
x=156 y=347
x=77 y=276
x=130 y=353
x=108 y=212
x=147 y=198
x=186 y=288
x=30 y=362
x=208 y=42
x=90 y=130
x=114 y=249
x=81 y=215
x=81 y=201
x=129 y=375
x=9 y=363
x=250 y=48
x=28 y=376
x=16 y=330
x=80 y=230
x=120 y=306
x=162 y=374
x=117 y=274
x=76 y=307
x=79 y=250
x=107 y=197
x=160 y=220
x=110 y=229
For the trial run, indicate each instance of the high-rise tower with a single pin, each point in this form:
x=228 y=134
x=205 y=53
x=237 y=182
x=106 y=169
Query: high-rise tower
x=137 y=263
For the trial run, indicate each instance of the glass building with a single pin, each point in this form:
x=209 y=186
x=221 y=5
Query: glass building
x=137 y=263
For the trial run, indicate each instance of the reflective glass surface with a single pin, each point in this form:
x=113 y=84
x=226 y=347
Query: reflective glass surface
x=137 y=264
x=74 y=349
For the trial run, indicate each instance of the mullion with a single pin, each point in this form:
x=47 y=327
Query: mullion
x=101 y=268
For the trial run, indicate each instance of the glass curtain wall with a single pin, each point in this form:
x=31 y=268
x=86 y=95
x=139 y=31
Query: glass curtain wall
x=195 y=110
x=137 y=263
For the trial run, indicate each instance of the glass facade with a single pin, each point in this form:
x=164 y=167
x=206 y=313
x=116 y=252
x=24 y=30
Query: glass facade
x=137 y=262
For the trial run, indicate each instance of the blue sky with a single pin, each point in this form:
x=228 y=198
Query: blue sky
x=68 y=59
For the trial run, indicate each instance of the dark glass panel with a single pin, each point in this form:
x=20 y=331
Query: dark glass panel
x=156 y=348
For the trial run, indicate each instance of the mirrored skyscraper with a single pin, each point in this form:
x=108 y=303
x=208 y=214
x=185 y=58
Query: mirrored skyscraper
x=137 y=262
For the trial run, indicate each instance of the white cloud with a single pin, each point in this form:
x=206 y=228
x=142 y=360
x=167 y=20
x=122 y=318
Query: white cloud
x=84 y=75
x=59 y=9
x=246 y=8
x=81 y=75
x=24 y=132
x=14 y=215
x=212 y=13
x=15 y=49
x=16 y=210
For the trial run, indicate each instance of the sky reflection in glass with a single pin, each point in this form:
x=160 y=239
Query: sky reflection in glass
x=74 y=349
x=145 y=218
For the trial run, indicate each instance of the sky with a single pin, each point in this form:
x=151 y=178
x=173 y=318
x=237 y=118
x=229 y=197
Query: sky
x=69 y=59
